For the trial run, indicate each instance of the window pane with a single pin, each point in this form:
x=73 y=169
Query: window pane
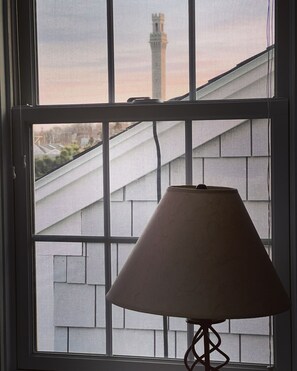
x=134 y=333
x=235 y=153
x=231 y=42
x=136 y=180
x=151 y=43
x=72 y=51
x=70 y=297
x=68 y=172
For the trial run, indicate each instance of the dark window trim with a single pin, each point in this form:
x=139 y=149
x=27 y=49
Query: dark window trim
x=287 y=66
x=185 y=110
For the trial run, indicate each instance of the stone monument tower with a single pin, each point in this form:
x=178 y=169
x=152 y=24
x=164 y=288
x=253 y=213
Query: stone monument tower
x=158 y=42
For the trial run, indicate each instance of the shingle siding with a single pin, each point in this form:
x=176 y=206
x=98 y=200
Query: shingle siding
x=82 y=340
x=74 y=305
x=131 y=342
x=237 y=158
x=95 y=273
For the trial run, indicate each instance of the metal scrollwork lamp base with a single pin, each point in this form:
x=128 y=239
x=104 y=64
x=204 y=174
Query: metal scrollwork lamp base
x=192 y=358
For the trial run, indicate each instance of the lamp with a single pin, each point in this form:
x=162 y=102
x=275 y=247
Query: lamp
x=200 y=258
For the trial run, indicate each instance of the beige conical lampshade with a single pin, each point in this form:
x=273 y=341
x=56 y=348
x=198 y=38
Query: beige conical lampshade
x=200 y=257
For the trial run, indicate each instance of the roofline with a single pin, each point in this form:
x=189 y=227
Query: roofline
x=218 y=77
x=211 y=81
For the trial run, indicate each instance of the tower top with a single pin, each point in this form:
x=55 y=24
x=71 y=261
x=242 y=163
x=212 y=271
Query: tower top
x=158 y=22
x=158 y=16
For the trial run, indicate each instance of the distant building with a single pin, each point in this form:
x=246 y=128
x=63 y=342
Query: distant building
x=158 y=42
x=50 y=150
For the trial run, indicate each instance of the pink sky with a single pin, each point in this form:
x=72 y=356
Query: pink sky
x=73 y=55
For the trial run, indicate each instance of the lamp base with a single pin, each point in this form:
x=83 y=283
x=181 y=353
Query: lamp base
x=192 y=358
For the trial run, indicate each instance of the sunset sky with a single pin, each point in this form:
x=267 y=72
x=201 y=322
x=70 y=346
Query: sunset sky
x=72 y=45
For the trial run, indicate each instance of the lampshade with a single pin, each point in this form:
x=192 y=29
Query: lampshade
x=200 y=257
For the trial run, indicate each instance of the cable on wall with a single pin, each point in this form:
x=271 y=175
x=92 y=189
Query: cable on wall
x=158 y=153
x=159 y=195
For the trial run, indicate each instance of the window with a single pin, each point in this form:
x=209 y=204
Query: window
x=91 y=169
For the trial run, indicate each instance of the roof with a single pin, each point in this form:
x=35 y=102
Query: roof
x=262 y=56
